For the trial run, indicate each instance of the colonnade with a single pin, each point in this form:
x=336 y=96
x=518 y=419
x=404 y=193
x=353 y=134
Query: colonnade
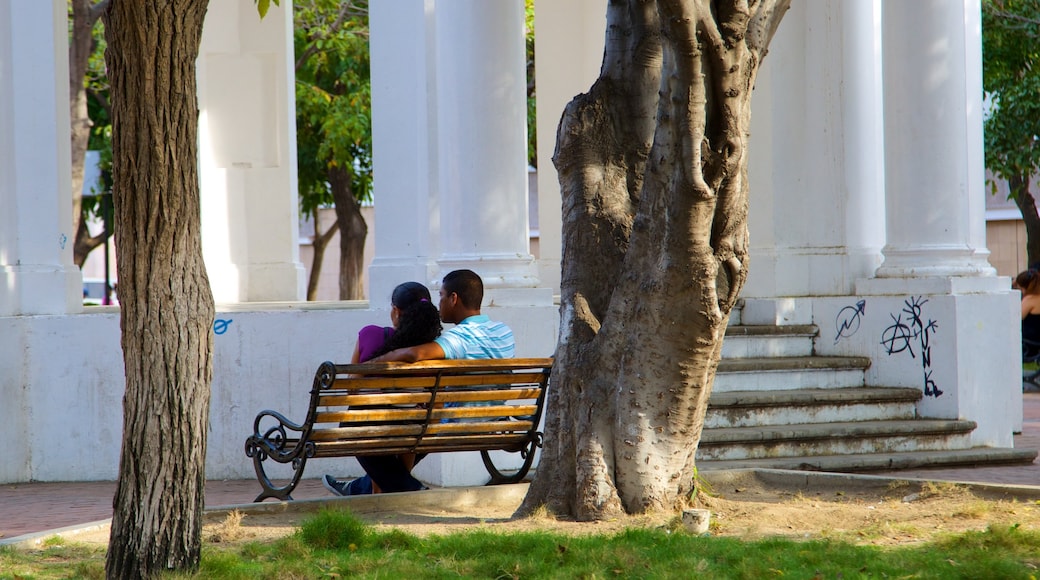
x=866 y=187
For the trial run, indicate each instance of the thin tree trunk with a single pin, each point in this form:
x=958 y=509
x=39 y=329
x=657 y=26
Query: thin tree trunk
x=320 y=243
x=85 y=14
x=1027 y=206
x=167 y=309
x=352 y=233
x=655 y=251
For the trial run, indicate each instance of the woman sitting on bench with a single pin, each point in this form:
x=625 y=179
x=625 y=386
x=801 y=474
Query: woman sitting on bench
x=415 y=321
x=1028 y=283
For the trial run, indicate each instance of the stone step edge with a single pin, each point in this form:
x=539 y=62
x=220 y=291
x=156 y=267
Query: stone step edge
x=723 y=400
x=832 y=431
x=866 y=462
x=792 y=363
x=767 y=330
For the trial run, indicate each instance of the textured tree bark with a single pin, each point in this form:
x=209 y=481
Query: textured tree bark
x=166 y=304
x=320 y=243
x=1027 y=206
x=654 y=251
x=352 y=233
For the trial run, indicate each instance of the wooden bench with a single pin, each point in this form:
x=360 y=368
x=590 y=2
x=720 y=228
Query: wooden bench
x=396 y=408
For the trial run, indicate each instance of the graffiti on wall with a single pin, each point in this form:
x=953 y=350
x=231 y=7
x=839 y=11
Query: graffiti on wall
x=847 y=322
x=220 y=325
x=909 y=330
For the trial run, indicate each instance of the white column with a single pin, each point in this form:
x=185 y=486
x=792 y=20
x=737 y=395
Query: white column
x=37 y=274
x=933 y=140
x=816 y=158
x=575 y=28
x=247 y=151
x=481 y=141
x=403 y=153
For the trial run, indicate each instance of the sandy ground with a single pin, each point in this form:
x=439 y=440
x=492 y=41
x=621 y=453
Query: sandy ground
x=885 y=512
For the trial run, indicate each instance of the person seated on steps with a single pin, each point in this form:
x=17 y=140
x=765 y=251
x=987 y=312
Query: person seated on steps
x=474 y=336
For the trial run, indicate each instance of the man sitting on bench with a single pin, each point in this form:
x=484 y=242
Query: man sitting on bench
x=474 y=336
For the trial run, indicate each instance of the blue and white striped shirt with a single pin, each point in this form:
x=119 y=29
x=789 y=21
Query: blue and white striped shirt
x=477 y=337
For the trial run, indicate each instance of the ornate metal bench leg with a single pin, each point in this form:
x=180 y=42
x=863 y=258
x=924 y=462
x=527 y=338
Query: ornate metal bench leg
x=271 y=490
x=497 y=477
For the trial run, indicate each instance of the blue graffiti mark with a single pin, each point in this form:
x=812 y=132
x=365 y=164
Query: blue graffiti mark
x=62 y=240
x=848 y=320
x=220 y=325
x=900 y=336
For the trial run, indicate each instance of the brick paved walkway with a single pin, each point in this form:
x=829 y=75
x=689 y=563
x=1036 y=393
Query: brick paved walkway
x=36 y=507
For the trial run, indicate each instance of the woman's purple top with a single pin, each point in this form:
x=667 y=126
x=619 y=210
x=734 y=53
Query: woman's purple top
x=370 y=339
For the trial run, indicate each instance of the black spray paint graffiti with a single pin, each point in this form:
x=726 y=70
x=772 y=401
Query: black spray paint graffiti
x=848 y=320
x=901 y=336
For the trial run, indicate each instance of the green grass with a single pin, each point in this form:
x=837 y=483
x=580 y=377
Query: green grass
x=335 y=544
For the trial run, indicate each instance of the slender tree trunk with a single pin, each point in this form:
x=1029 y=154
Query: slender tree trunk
x=1027 y=206
x=166 y=303
x=85 y=14
x=655 y=251
x=320 y=243
x=352 y=233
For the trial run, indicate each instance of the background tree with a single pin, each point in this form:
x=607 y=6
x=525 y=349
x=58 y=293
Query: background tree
x=86 y=101
x=653 y=173
x=532 y=109
x=1011 y=77
x=167 y=311
x=334 y=130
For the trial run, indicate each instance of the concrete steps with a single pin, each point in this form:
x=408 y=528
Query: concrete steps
x=794 y=406
x=869 y=462
x=775 y=404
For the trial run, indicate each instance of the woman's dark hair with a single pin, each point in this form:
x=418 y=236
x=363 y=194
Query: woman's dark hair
x=418 y=322
x=1028 y=281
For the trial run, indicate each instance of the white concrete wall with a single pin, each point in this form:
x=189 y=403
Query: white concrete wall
x=973 y=355
x=62 y=385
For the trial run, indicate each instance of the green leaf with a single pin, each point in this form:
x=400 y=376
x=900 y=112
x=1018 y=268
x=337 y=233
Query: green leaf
x=263 y=5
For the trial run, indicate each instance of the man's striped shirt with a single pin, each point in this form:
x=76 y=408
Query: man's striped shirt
x=477 y=337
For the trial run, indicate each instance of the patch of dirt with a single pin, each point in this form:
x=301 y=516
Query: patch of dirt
x=900 y=513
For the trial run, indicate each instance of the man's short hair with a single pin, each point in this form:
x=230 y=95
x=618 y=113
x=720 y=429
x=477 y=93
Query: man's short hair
x=468 y=285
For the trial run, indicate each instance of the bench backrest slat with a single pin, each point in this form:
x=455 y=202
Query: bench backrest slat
x=368 y=399
x=447 y=380
x=413 y=414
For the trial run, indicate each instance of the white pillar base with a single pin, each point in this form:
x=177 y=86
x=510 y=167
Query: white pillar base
x=927 y=260
x=29 y=290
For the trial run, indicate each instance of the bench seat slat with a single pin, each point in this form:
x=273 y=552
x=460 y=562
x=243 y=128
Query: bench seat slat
x=355 y=433
x=440 y=444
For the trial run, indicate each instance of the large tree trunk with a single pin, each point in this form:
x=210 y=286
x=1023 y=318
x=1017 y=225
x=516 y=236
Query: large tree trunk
x=166 y=303
x=85 y=14
x=654 y=251
x=352 y=233
x=1026 y=203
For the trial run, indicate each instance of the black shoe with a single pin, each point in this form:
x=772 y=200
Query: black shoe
x=336 y=487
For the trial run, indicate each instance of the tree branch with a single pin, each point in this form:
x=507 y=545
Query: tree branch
x=346 y=10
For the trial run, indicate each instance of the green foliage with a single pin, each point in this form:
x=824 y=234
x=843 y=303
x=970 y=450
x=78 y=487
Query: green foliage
x=333 y=98
x=1011 y=78
x=532 y=124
